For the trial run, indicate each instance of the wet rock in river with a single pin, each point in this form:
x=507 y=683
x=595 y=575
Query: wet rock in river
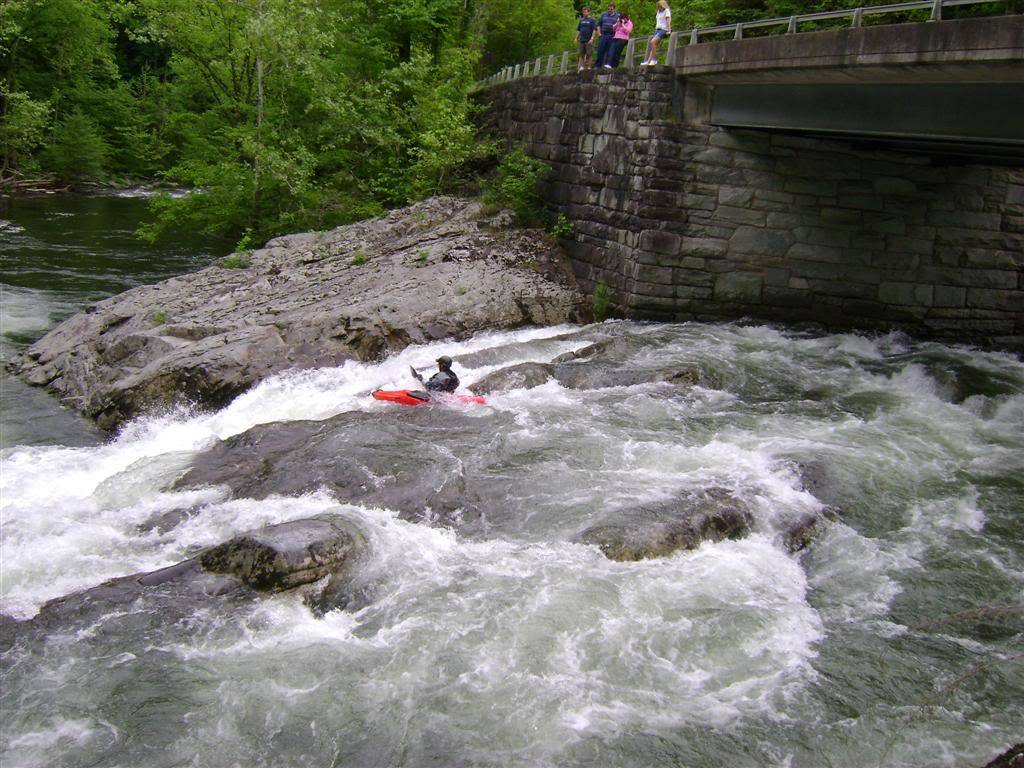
x=606 y=349
x=579 y=375
x=819 y=479
x=522 y=376
x=9 y=628
x=287 y=555
x=653 y=532
x=232 y=574
x=1011 y=758
x=411 y=461
x=162 y=522
x=799 y=534
x=595 y=375
x=959 y=380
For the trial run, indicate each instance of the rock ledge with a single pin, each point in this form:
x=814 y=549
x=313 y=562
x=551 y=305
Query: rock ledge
x=434 y=270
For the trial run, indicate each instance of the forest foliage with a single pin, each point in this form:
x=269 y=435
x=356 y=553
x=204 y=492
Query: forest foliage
x=281 y=114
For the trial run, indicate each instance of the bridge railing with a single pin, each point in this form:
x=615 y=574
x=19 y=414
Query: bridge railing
x=562 y=63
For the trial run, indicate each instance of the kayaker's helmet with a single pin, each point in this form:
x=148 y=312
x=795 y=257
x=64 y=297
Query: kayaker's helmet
x=444 y=362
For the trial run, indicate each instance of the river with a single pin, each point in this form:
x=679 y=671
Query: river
x=895 y=639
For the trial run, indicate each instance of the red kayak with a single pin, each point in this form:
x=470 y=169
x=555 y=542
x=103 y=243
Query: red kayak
x=418 y=397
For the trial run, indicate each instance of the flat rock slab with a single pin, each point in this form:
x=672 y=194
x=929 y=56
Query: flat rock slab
x=434 y=270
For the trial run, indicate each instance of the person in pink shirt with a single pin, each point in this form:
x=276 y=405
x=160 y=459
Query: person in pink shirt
x=622 y=30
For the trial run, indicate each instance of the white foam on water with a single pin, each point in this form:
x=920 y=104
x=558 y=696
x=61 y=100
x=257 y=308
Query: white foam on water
x=40 y=747
x=856 y=578
x=46 y=556
x=859 y=347
x=147 y=192
x=533 y=646
x=83 y=505
x=519 y=647
x=24 y=311
x=321 y=393
x=9 y=227
x=938 y=516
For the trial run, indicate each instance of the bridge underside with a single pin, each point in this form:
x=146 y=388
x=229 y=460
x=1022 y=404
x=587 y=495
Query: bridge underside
x=952 y=88
x=976 y=120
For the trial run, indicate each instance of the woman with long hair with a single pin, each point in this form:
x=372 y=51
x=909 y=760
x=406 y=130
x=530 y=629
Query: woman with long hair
x=662 y=29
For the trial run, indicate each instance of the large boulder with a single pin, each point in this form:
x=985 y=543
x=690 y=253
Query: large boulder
x=436 y=269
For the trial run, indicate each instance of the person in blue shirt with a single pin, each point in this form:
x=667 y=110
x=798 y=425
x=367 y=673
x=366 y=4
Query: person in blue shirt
x=585 y=37
x=606 y=25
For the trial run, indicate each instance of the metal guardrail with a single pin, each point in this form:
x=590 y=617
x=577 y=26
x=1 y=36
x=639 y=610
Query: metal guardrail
x=560 y=63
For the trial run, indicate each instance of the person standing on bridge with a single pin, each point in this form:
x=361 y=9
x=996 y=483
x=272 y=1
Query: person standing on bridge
x=606 y=24
x=662 y=29
x=623 y=29
x=585 y=37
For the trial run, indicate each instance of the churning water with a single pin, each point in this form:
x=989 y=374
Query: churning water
x=894 y=640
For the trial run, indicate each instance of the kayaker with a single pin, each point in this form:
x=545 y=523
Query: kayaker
x=444 y=380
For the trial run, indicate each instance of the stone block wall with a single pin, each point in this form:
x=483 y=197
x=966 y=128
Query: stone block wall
x=685 y=221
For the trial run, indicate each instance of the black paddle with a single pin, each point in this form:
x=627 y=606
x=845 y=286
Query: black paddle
x=416 y=375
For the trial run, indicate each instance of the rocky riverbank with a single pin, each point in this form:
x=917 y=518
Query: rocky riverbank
x=440 y=268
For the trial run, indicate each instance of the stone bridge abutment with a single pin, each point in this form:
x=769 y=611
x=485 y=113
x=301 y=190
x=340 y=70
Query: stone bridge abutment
x=686 y=220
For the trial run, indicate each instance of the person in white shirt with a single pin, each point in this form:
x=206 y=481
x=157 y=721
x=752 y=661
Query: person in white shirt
x=662 y=29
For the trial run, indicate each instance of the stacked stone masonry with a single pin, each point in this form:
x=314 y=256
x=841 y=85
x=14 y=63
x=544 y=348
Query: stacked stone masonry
x=691 y=222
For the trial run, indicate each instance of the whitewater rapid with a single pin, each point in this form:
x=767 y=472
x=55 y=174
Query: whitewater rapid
x=518 y=645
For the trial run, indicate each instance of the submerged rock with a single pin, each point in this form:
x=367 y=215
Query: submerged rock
x=286 y=555
x=1011 y=758
x=522 y=376
x=653 y=532
x=408 y=461
x=433 y=270
x=802 y=532
x=273 y=558
x=588 y=375
x=579 y=375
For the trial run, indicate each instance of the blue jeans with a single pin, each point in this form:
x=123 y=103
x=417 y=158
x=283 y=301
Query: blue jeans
x=604 y=43
x=616 y=51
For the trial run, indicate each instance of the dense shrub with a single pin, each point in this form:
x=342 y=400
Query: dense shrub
x=516 y=185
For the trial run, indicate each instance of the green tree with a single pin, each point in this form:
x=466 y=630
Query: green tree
x=510 y=32
x=23 y=124
x=77 y=150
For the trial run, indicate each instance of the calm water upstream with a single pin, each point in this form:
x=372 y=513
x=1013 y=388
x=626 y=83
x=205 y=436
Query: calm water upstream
x=896 y=639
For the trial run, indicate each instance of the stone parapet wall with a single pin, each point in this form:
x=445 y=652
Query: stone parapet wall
x=685 y=221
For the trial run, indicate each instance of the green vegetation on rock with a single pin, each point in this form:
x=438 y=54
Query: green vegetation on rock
x=601 y=302
x=516 y=185
x=235 y=261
